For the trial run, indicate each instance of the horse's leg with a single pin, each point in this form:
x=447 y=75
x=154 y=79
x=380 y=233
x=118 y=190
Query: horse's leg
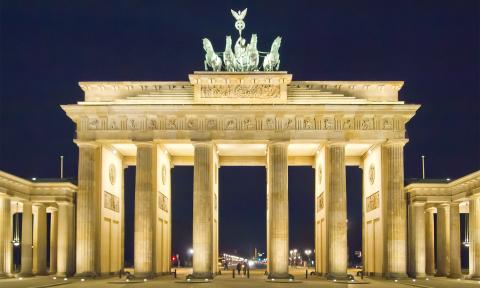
x=205 y=63
x=278 y=65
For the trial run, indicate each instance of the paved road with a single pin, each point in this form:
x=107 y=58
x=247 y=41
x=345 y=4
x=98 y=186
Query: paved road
x=225 y=280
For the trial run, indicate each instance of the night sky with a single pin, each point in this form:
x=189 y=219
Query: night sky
x=47 y=47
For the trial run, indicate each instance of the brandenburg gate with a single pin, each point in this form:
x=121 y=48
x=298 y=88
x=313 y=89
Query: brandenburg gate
x=243 y=113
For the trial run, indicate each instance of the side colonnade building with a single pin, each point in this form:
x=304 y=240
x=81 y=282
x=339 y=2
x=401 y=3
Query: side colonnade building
x=34 y=200
x=447 y=200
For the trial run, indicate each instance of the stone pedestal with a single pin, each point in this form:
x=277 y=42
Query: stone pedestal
x=203 y=210
x=145 y=203
x=5 y=237
x=394 y=210
x=27 y=241
x=40 y=240
x=336 y=211
x=53 y=241
x=277 y=178
x=443 y=240
x=88 y=207
x=429 y=242
x=474 y=230
x=417 y=248
x=455 y=260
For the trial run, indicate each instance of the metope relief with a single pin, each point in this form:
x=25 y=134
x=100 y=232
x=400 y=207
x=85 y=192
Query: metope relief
x=162 y=202
x=372 y=201
x=320 y=202
x=111 y=202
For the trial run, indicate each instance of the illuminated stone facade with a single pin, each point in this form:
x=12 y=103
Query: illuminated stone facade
x=240 y=119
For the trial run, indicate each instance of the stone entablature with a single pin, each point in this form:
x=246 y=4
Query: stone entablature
x=332 y=121
x=39 y=192
x=458 y=190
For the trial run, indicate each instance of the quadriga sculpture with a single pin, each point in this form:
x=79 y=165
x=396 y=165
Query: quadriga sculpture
x=272 y=60
x=211 y=58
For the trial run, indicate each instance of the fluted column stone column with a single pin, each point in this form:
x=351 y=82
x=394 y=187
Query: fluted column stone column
x=40 y=240
x=277 y=161
x=53 y=241
x=5 y=237
x=336 y=211
x=429 y=242
x=474 y=231
x=145 y=204
x=65 y=239
x=203 y=183
x=27 y=241
x=443 y=240
x=394 y=212
x=88 y=209
x=417 y=257
x=455 y=260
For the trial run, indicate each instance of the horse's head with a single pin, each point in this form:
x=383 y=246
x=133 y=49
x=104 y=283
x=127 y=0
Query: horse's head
x=276 y=44
x=207 y=46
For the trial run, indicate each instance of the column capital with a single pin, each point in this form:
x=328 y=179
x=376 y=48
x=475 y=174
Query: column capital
x=202 y=142
x=143 y=144
x=86 y=144
x=335 y=143
x=395 y=142
x=454 y=204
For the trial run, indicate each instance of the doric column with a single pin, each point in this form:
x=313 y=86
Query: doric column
x=443 y=240
x=88 y=209
x=417 y=230
x=144 y=209
x=429 y=242
x=474 y=230
x=40 y=240
x=53 y=241
x=336 y=210
x=5 y=237
x=203 y=183
x=27 y=240
x=394 y=212
x=65 y=239
x=278 y=209
x=455 y=260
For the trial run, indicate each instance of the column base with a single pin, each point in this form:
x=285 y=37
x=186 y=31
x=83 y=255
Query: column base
x=395 y=276
x=24 y=274
x=338 y=276
x=455 y=276
x=143 y=275
x=419 y=276
x=474 y=277
x=200 y=275
x=440 y=274
x=79 y=275
x=280 y=276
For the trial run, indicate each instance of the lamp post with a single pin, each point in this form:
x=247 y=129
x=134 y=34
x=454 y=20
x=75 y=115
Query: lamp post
x=423 y=166
x=308 y=252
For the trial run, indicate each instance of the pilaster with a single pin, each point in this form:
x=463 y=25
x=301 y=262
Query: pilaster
x=336 y=210
x=53 y=241
x=40 y=240
x=5 y=237
x=443 y=240
x=394 y=210
x=277 y=178
x=65 y=239
x=417 y=244
x=474 y=230
x=455 y=260
x=27 y=241
x=429 y=242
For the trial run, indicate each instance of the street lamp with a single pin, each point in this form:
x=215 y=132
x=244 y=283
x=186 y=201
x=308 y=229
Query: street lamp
x=308 y=252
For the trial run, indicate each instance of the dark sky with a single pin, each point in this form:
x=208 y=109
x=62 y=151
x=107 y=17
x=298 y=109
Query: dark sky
x=49 y=46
